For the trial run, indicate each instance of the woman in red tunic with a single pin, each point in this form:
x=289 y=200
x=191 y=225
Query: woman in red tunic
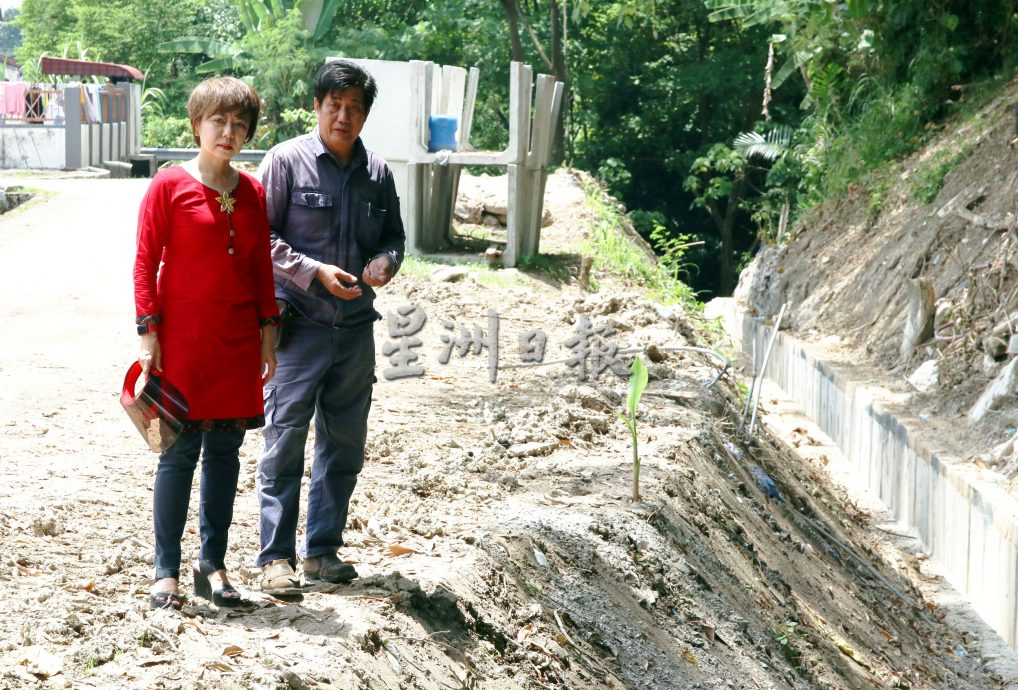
x=207 y=317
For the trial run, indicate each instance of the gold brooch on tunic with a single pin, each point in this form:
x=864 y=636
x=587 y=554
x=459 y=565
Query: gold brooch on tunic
x=226 y=202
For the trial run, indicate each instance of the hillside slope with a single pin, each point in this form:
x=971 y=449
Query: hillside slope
x=853 y=265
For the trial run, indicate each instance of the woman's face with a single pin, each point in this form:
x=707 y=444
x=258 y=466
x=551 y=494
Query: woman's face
x=222 y=134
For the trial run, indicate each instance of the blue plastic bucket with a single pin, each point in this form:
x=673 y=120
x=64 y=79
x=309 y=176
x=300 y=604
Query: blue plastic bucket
x=443 y=132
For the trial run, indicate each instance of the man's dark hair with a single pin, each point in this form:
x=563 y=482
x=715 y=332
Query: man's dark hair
x=339 y=75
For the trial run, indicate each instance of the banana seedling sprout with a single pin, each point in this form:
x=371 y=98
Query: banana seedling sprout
x=637 y=383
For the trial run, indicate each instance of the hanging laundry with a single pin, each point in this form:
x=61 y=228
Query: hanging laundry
x=88 y=110
x=14 y=98
x=97 y=108
x=54 y=113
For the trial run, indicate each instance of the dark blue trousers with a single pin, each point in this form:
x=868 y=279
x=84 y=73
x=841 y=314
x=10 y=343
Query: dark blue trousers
x=326 y=374
x=172 y=493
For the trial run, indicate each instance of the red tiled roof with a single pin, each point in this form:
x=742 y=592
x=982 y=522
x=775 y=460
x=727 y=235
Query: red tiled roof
x=87 y=68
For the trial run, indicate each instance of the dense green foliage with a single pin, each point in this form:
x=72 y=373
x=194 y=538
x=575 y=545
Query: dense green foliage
x=716 y=122
x=10 y=34
x=880 y=76
x=122 y=31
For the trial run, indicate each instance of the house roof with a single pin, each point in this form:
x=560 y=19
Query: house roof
x=88 y=68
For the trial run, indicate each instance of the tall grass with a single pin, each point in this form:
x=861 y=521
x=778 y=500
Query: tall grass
x=616 y=255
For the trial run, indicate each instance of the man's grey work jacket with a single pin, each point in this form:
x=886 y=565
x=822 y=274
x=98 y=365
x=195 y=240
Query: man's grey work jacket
x=322 y=213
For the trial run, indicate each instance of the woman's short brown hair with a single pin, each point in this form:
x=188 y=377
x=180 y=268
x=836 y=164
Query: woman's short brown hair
x=223 y=95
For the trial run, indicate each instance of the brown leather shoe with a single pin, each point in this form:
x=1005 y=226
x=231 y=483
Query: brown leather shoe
x=328 y=568
x=279 y=580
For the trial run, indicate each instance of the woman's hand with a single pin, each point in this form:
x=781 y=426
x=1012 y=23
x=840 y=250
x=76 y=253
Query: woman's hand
x=149 y=355
x=268 y=353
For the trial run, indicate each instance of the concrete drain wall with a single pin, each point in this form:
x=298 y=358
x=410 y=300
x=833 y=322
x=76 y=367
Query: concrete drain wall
x=968 y=526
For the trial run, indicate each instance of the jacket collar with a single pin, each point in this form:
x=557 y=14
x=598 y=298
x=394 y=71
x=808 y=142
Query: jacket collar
x=360 y=154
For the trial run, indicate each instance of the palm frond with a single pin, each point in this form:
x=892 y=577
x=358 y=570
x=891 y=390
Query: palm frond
x=770 y=147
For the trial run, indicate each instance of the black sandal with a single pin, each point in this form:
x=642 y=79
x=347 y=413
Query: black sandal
x=226 y=595
x=165 y=600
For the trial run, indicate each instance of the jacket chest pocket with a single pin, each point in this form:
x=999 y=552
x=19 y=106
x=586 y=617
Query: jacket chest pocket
x=310 y=198
x=370 y=220
x=312 y=213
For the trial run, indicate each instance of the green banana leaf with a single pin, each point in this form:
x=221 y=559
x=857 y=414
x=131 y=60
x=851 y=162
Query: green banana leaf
x=637 y=382
x=199 y=45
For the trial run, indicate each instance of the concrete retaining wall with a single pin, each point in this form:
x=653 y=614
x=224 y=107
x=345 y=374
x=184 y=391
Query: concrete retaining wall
x=967 y=525
x=31 y=146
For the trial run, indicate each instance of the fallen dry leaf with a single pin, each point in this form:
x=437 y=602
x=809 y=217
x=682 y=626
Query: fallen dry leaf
x=233 y=650
x=88 y=585
x=688 y=656
x=396 y=550
x=847 y=649
x=524 y=632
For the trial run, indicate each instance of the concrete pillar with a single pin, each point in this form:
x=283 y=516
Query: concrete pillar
x=72 y=128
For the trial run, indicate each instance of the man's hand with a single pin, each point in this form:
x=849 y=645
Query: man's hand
x=268 y=353
x=378 y=272
x=149 y=355
x=335 y=278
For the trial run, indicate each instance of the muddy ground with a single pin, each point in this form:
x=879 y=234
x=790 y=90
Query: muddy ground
x=493 y=526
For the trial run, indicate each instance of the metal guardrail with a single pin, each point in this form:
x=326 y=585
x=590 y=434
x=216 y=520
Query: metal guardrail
x=161 y=155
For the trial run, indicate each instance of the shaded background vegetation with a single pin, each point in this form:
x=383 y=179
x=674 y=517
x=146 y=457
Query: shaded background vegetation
x=714 y=121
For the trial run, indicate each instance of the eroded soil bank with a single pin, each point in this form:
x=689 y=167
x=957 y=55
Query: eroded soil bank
x=493 y=525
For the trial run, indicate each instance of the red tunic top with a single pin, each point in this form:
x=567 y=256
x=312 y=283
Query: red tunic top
x=210 y=302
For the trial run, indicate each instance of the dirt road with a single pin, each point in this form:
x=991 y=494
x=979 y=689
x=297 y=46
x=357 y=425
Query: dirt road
x=492 y=527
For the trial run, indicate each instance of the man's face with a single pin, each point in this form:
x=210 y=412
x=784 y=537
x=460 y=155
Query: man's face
x=341 y=116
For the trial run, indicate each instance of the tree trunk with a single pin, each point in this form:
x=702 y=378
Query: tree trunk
x=561 y=73
x=725 y=223
x=704 y=109
x=512 y=10
x=728 y=236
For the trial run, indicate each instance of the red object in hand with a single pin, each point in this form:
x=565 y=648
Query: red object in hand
x=158 y=411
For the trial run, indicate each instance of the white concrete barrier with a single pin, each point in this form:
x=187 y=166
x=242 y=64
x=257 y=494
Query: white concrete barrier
x=968 y=525
x=31 y=146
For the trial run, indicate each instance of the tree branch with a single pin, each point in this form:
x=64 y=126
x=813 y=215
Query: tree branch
x=537 y=43
x=715 y=213
x=512 y=11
